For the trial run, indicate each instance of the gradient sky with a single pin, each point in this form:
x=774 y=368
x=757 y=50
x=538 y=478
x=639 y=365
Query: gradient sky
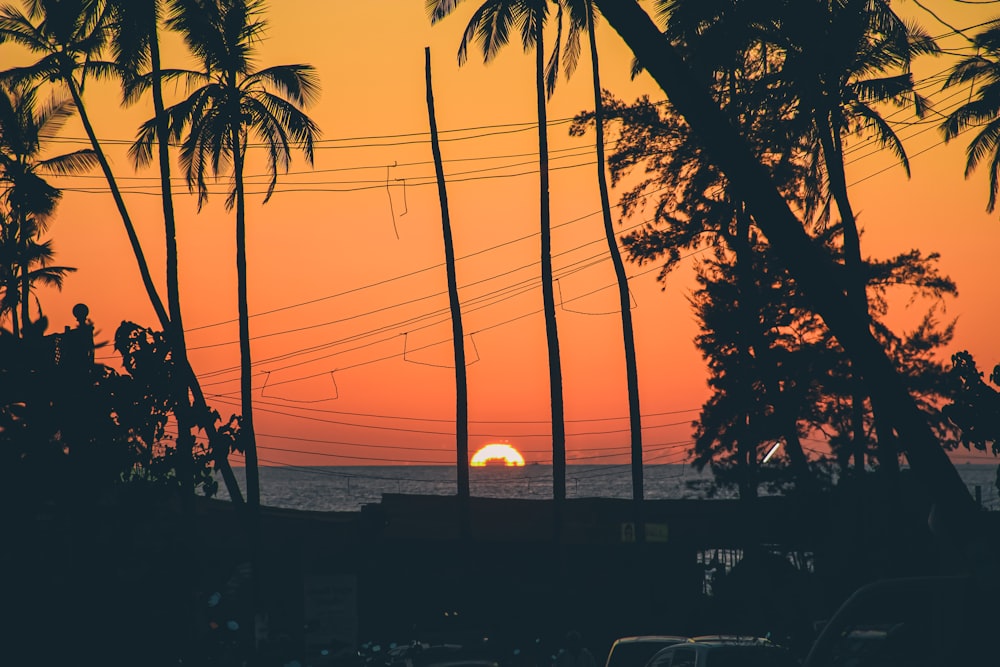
x=352 y=336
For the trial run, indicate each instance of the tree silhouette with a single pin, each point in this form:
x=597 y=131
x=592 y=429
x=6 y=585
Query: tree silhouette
x=27 y=197
x=135 y=48
x=696 y=207
x=819 y=278
x=69 y=37
x=490 y=28
x=233 y=103
x=982 y=70
x=839 y=63
x=976 y=406
x=24 y=263
x=583 y=19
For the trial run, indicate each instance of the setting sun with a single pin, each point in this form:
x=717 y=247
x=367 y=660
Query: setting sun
x=497 y=454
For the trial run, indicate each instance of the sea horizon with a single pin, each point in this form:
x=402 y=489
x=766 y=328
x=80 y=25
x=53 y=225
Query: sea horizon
x=350 y=487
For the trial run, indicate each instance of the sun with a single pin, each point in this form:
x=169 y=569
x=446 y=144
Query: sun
x=497 y=454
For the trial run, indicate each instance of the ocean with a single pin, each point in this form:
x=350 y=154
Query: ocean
x=346 y=489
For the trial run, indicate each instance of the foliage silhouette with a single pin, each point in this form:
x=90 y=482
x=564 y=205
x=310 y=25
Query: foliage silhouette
x=73 y=432
x=27 y=200
x=982 y=110
x=820 y=279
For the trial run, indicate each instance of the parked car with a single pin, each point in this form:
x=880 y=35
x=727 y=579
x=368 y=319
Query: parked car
x=913 y=622
x=724 y=651
x=636 y=651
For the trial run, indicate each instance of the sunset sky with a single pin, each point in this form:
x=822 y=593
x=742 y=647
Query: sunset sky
x=352 y=332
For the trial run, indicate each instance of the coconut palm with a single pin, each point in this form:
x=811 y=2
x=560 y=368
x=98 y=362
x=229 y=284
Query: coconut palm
x=233 y=103
x=849 y=58
x=135 y=47
x=582 y=18
x=983 y=108
x=490 y=28
x=24 y=262
x=29 y=199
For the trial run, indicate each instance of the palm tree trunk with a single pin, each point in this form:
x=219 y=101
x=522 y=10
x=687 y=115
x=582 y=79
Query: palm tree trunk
x=133 y=237
x=182 y=409
x=821 y=280
x=25 y=287
x=548 y=295
x=457 y=331
x=247 y=434
x=624 y=300
x=856 y=290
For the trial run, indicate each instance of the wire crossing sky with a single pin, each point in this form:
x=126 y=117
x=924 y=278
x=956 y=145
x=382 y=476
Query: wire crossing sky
x=350 y=324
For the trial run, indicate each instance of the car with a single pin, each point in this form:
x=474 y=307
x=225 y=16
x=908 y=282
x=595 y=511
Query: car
x=924 y=621
x=724 y=651
x=636 y=651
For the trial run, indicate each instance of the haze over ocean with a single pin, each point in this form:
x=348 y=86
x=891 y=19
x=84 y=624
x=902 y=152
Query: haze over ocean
x=347 y=488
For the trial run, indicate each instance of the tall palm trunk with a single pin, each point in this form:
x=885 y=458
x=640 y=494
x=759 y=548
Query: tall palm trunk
x=457 y=330
x=247 y=434
x=624 y=301
x=807 y=264
x=133 y=237
x=22 y=239
x=548 y=294
x=178 y=346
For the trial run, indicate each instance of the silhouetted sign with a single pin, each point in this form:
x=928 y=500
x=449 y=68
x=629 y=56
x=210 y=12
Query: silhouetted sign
x=657 y=532
x=628 y=531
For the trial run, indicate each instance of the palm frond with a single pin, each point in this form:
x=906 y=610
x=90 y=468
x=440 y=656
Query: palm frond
x=438 y=9
x=70 y=163
x=298 y=82
x=887 y=138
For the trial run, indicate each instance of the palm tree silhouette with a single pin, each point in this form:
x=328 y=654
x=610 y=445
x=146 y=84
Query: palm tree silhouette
x=233 y=103
x=845 y=61
x=490 y=28
x=29 y=198
x=24 y=262
x=135 y=47
x=582 y=17
x=983 y=108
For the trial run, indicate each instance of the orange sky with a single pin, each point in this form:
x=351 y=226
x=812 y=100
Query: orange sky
x=352 y=339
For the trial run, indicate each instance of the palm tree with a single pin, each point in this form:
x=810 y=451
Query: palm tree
x=135 y=46
x=234 y=103
x=28 y=197
x=490 y=28
x=581 y=16
x=847 y=59
x=983 y=108
x=24 y=262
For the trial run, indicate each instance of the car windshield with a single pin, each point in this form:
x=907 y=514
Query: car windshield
x=749 y=656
